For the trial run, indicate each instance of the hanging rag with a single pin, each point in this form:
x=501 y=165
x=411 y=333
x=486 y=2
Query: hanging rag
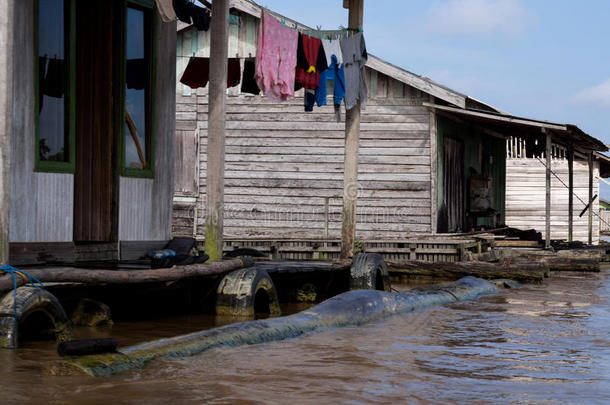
x=248 y=83
x=197 y=72
x=339 y=85
x=54 y=81
x=354 y=59
x=311 y=60
x=309 y=99
x=136 y=74
x=276 y=58
x=166 y=10
x=332 y=47
x=182 y=9
x=201 y=17
x=233 y=72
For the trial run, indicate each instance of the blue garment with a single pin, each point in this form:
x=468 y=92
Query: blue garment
x=321 y=91
x=339 y=78
x=336 y=74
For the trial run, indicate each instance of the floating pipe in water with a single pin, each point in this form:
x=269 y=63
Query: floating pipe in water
x=347 y=309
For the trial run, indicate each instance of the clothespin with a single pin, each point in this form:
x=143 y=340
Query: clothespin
x=283 y=21
x=249 y=54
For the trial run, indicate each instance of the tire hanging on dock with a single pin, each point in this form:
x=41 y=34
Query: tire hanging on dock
x=244 y=292
x=32 y=304
x=369 y=272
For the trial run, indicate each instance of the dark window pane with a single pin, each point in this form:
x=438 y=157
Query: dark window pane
x=52 y=82
x=136 y=92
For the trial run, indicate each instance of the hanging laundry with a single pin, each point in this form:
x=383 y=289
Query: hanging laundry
x=321 y=91
x=310 y=99
x=233 y=72
x=332 y=47
x=248 y=83
x=136 y=74
x=166 y=10
x=354 y=59
x=182 y=10
x=276 y=59
x=311 y=60
x=201 y=17
x=197 y=73
x=54 y=81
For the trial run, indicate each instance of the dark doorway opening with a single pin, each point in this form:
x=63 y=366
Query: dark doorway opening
x=453 y=184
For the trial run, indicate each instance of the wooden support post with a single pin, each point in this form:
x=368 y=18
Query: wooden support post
x=549 y=152
x=590 y=240
x=570 y=193
x=219 y=49
x=350 y=170
x=6 y=85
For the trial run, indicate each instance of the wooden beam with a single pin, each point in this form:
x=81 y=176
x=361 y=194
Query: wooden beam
x=570 y=193
x=350 y=168
x=499 y=118
x=6 y=84
x=219 y=48
x=547 y=242
x=590 y=225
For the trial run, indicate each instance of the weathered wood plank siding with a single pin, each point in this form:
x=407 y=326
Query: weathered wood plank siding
x=284 y=167
x=525 y=197
x=145 y=207
x=41 y=203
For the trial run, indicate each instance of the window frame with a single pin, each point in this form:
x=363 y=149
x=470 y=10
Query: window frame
x=49 y=166
x=147 y=6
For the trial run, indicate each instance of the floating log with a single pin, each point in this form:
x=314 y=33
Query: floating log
x=523 y=272
x=91 y=276
x=352 y=308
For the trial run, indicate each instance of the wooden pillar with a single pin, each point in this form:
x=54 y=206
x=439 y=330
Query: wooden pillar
x=570 y=193
x=590 y=240
x=350 y=171
x=219 y=49
x=6 y=85
x=547 y=243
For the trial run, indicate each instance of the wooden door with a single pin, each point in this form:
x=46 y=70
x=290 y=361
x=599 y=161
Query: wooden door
x=453 y=184
x=93 y=177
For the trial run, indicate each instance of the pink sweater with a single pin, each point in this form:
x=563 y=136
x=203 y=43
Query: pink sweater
x=276 y=59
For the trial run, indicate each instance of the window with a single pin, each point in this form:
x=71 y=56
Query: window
x=137 y=131
x=54 y=88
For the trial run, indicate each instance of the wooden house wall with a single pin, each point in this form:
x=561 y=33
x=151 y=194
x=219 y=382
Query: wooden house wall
x=526 y=196
x=284 y=166
x=145 y=207
x=41 y=203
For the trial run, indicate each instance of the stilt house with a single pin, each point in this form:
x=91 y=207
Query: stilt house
x=431 y=160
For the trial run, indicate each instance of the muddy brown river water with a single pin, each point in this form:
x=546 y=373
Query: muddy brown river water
x=545 y=343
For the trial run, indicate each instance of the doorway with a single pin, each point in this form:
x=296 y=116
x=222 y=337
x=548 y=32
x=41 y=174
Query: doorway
x=95 y=176
x=453 y=184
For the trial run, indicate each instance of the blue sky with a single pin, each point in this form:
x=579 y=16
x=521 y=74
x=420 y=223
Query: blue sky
x=544 y=59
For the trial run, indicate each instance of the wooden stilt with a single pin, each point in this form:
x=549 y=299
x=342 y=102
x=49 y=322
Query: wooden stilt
x=549 y=152
x=570 y=193
x=219 y=40
x=352 y=136
x=590 y=240
x=6 y=84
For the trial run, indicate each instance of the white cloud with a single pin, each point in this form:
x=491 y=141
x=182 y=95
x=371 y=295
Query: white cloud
x=597 y=96
x=479 y=17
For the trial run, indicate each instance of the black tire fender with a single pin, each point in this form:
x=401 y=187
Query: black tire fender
x=31 y=300
x=237 y=293
x=369 y=272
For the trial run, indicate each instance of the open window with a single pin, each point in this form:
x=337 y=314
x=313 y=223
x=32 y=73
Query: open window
x=137 y=145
